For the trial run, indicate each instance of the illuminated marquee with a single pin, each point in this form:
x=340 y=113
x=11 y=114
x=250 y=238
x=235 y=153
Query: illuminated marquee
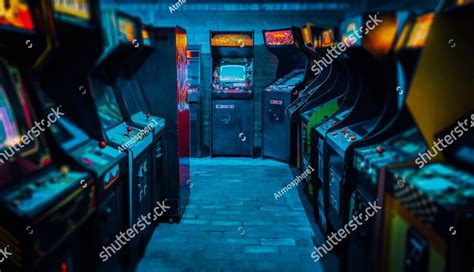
x=231 y=40
x=16 y=13
x=75 y=8
x=278 y=38
x=420 y=31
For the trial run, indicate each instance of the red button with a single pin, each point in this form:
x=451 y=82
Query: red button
x=102 y=144
x=129 y=129
x=380 y=150
x=334 y=133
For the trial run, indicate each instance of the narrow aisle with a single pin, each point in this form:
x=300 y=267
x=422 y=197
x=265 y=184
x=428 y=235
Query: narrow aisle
x=234 y=223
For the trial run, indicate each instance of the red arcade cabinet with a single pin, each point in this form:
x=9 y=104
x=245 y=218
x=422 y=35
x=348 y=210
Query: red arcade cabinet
x=167 y=70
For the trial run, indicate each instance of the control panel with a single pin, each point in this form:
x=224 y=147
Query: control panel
x=286 y=83
x=324 y=127
x=436 y=193
x=129 y=138
x=32 y=197
x=147 y=120
x=402 y=147
x=342 y=138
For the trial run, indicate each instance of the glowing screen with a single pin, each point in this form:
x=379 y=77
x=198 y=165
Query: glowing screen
x=232 y=73
x=278 y=38
x=9 y=133
x=146 y=37
x=349 y=30
x=327 y=38
x=420 y=31
x=126 y=29
x=76 y=8
x=16 y=13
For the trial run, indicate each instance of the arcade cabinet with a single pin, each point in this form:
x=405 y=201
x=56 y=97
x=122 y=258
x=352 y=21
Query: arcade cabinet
x=365 y=87
x=279 y=93
x=136 y=112
x=167 y=67
x=133 y=106
x=71 y=62
x=319 y=107
x=399 y=142
x=428 y=221
x=40 y=190
x=232 y=121
x=121 y=35
x=305 y=89
x=194 y=90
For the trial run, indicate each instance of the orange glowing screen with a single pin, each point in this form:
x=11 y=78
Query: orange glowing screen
x=327 y=38
x=380 y=39
x=231 y=40
x=146 y=37
x=16 y=13
x=307 y=35
x=463 y=2
x=277 y=38
x=420 y=31
x=126 y=29
x=76 y=8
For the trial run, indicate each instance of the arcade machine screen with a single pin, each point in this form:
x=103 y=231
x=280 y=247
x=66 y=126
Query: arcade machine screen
x=146 y=37
x=420 y=31
x=327 y=38
x=9 y=133
x=307 y=35
x=182 y=65
x=349 y=29
x=107 y=106
x=126 y=28
x=232 y=73
x=73 y=8
x=16 y=13
x=279 y=38
x=18 y=137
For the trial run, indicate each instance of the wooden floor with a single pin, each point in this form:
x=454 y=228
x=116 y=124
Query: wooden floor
x=234 y=223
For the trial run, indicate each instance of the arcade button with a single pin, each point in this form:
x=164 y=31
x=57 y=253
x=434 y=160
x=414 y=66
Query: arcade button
x=352 y=138
x=334 y=133
x=64 y=170
x=148 y=116
x=380 y=150
x=39 y=183
x=102 y=144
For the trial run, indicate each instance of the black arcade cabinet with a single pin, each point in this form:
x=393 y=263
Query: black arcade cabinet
x=232 y=121
x=163 y=83
x=44 y=209
x=278 y=95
